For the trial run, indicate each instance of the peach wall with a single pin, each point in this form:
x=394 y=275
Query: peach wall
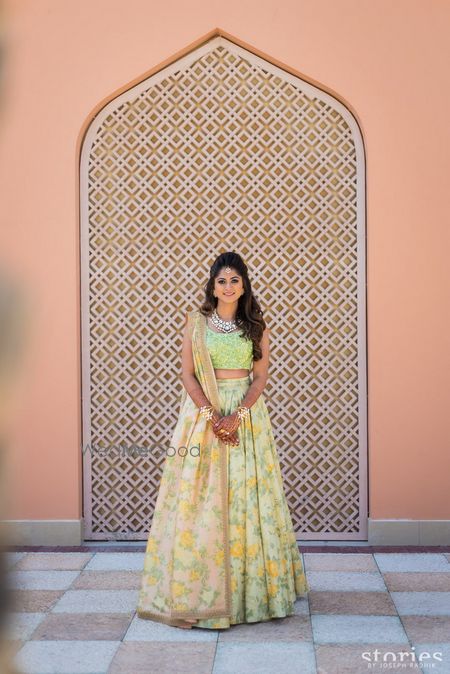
x=387 y=61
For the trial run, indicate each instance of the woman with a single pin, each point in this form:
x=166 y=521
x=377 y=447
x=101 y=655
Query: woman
x=222 y=548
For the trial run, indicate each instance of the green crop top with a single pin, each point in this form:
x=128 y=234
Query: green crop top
x=229 y=351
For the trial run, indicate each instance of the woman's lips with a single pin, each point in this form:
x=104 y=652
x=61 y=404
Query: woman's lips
x=228 y=294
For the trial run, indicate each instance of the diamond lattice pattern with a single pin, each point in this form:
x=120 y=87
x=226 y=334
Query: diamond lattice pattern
x=222 y=154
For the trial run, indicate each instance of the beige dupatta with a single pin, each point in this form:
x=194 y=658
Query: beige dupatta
x=187 y=561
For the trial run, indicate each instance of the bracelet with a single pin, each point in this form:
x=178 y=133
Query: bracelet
x=207 y=411
x=243 y=412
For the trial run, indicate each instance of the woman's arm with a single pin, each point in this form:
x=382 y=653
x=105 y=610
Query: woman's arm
x=260 y=373
x=190 y=381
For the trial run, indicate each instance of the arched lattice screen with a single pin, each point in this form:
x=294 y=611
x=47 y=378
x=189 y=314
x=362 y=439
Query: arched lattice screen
x=224 y=151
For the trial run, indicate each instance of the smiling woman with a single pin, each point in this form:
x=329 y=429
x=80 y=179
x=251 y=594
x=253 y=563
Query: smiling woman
x=222 y=548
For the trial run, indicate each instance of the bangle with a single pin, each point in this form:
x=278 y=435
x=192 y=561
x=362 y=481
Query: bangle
x=207 y=411
x=243 y=412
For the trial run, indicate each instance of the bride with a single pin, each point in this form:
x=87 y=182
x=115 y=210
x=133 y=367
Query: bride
x=222 y=548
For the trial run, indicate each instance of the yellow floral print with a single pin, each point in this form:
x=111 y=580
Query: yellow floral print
x=239 y=529
x=237 y=550
x=178 y=589
x=187 y=539
x=252 y=550
x=219 y=557
x=185 y=507
x=151 y=545
x=184 y=486
x=272 y=568
x=181 y=606
x=272 y=589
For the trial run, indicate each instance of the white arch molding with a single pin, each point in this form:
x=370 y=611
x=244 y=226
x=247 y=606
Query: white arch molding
x=222 y=150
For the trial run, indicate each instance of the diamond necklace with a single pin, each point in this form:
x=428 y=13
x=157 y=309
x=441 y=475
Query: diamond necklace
x=223 y=326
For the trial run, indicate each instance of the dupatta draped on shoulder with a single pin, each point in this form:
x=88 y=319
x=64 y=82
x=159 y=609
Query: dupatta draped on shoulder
x=187 y=561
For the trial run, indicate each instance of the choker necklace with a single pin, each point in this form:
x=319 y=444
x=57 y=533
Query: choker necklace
x=223 y=326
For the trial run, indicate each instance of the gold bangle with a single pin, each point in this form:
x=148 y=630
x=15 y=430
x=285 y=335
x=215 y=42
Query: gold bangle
x=243 y=412
x=207 y=411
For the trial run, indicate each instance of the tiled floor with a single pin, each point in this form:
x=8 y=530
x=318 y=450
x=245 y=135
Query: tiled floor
x=74 y=613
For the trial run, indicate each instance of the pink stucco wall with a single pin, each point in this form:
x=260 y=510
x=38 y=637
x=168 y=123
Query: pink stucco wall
x=387 y=61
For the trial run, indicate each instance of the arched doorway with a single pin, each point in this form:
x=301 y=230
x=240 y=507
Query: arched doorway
x=222 y=150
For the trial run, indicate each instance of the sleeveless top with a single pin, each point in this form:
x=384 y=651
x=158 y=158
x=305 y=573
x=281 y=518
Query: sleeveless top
x=229 y=351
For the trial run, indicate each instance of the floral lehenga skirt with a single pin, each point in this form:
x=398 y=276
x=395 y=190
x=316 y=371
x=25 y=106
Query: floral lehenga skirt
x=266 y=573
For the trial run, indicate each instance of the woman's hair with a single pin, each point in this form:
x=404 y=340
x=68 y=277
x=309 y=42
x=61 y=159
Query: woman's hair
x=249 y=312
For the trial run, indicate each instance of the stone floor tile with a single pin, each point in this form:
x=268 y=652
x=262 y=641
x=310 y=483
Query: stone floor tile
x=356 y=603
x=66 y=657
x=11 y=647
x=116 y=561
x=291 y=628
x=20 y=626
x=410 y=581
x=41 y=580
x=346 y=581
x=11 y=558
x=57 y=561
x=422 y=603
x=8 y=651
x=301 y=606
x=355 y=659
x=339 y=562
x=87 y=626
x=264 y=658
x=427 y=629
x=97 y=601
x=33 y=601
x=357 y=629
x=411 y=561
x=437 y=654
x=137 y=657
x=107 y=580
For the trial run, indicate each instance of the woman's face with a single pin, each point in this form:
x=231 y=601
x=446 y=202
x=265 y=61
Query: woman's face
x=228 y=285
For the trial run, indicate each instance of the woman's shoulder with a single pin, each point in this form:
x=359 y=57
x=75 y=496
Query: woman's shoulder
x=194 y=313
x=191 y=319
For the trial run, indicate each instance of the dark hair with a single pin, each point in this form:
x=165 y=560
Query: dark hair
x=249 y=313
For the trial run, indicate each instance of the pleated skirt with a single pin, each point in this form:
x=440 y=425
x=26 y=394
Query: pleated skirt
x=267 y=573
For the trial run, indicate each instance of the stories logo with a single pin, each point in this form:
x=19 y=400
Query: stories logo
x=377 y=659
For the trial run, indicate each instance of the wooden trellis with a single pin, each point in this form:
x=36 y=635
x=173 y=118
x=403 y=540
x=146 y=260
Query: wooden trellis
x=219 y=151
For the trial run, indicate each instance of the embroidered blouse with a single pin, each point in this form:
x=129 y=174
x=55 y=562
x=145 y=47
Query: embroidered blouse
x=229 y=350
